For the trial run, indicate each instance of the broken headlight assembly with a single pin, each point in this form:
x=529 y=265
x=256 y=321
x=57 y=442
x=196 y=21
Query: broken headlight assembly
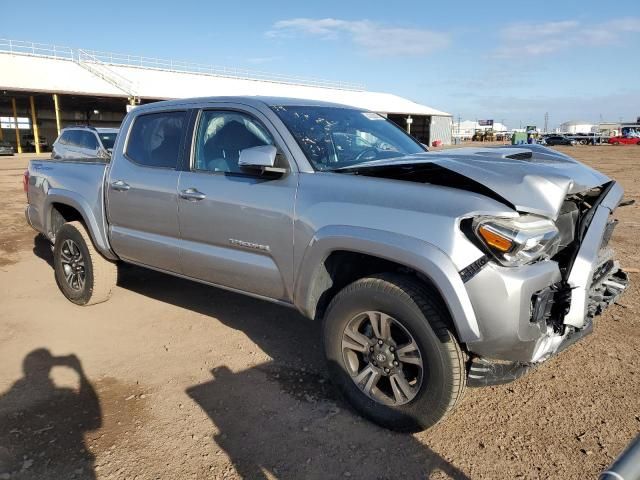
x=517 y=241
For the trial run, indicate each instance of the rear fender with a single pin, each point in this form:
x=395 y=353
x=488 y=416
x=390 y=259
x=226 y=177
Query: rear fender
x=95 y=224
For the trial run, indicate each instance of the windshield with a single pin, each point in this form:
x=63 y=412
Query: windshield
x=108 y=139
x=333 y=137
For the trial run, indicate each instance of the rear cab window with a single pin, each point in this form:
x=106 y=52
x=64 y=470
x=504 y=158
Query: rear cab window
x=155 y=139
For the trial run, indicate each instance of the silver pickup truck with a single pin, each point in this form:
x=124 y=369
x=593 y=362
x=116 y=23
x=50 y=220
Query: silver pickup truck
x=429 y=270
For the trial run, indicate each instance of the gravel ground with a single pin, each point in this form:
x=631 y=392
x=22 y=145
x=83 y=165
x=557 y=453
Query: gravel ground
x=172 y=379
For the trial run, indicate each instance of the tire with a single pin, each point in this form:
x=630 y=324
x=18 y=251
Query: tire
x=415 y=311
x=99 y=274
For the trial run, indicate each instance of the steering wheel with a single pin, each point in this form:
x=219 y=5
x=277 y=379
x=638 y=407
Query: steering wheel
x=364 y=152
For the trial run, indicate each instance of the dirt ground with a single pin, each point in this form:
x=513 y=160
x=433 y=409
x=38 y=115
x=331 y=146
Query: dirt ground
x=171 y=379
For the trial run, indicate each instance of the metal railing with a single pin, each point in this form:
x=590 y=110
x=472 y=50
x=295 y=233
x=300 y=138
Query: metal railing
x=18 y=47
x=100 y=69
x=216 y=70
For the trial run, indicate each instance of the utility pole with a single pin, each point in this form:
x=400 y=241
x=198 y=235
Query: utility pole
x=546 y=122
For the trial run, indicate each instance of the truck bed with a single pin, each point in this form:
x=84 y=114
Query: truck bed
x=79 y=181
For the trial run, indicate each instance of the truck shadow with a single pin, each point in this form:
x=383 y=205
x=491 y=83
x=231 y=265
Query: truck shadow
x=285 y=424
x=282 y=419
x=42 y=249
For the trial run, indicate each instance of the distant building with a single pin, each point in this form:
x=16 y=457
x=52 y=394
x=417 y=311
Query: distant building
x=465 y=130
x=577 y=126
x=609 y=128
x=55 y=86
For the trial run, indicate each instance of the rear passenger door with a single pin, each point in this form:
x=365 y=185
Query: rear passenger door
x=142 y=190
x=236 y=224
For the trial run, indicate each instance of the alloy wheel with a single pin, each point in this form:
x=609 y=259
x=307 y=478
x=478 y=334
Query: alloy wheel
x=383 y=358
x=73 y=265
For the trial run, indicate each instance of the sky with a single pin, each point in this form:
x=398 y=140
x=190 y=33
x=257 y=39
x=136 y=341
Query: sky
x=508 y=61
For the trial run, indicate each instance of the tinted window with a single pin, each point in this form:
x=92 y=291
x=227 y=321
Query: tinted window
x=65 y=137
x=88 y=140
x=74 y=138
x=154 y=140
x=221 y=137
x=107 y=139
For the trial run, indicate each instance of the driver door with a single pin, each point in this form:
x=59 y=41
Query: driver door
x=236 y=225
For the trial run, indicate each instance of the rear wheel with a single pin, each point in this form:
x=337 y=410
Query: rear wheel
x=391 y=353
x=83 y=275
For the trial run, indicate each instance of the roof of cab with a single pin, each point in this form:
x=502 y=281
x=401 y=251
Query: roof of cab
x=246 y=100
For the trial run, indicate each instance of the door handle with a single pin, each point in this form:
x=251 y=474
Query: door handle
x=192 y=194
x=120 y=186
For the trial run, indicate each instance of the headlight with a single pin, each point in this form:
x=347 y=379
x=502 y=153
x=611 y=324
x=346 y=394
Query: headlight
x=517 y=241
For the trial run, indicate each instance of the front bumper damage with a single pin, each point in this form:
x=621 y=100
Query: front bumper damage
x=555 y=309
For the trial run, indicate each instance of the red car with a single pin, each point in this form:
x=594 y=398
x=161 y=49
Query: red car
x=624 y=140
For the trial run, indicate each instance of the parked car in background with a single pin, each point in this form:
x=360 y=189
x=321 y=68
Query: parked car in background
x=624 y=140
x=29 y=144
x=559 y=140
x=6 y=148
x=428 y=270
x=84 y=142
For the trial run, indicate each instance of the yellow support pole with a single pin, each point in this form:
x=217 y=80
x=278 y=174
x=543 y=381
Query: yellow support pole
x=36 y=136
x=57 y=109
x=15 y=119
x=1 y=134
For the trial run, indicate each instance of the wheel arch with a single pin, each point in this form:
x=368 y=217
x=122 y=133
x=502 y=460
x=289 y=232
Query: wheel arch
x=63 y=206
x=338 y=255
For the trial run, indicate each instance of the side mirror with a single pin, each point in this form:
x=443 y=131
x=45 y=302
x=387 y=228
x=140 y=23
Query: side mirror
x=261 y=158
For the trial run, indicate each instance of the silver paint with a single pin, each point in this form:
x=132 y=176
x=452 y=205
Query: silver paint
x=214 y=227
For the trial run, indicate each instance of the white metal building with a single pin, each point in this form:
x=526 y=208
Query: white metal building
x=467 y=128
x=51 y=86
x=577 y=126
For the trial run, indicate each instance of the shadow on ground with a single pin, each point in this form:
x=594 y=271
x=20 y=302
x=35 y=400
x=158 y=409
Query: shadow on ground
x=284 y=424
x=281 y=419
x=42 y=427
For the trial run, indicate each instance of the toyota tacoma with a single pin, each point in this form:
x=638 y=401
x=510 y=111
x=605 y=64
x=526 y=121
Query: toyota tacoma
x=429 y=271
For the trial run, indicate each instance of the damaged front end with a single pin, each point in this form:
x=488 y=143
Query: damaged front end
x=590 y=281
x=543 y=269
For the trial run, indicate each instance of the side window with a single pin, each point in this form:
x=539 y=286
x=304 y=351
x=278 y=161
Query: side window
x=154 y=139
x=64 y=138
x=87 y=140
x=222 y=135
x=73 y=140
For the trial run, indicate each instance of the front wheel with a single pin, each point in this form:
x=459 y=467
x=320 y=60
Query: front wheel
x=392 y=354
x=83 y=275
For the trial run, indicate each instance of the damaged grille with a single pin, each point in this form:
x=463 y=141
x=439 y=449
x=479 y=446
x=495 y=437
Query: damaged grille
x=607 y=291
x=608 y=280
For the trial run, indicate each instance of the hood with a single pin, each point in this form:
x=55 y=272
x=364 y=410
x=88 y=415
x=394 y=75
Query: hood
x=532 y=178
